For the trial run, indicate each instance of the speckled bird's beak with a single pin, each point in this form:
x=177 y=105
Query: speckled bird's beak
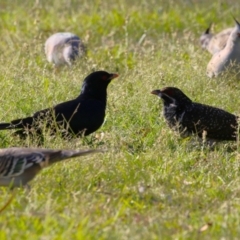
x=156 y=92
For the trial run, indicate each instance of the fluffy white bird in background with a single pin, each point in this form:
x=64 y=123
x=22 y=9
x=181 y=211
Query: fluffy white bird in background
x=214 y=43
x=228 y=57
x=63 y=48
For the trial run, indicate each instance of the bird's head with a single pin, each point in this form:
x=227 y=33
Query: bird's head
x=235 y=34
x=206 y=37
x=95 y=84
x=172 y=96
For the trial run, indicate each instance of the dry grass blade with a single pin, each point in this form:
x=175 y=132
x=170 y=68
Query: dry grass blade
x=8 y=201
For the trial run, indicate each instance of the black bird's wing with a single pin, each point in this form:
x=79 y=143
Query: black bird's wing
x=80 y=115
x=74 y=116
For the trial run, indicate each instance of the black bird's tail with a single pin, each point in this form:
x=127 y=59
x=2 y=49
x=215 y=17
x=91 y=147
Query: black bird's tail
x=17 y=124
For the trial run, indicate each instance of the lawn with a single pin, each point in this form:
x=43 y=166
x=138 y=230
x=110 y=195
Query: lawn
x=150 y=183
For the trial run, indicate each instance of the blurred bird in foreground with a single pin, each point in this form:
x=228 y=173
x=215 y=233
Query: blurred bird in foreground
x=229 y=57
x=188 y=117
x=214 y=43
x=18 y=166
x=63 y=48
x=80 y=116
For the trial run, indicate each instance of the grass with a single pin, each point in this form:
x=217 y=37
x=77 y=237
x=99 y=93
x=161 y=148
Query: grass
x=150 y=184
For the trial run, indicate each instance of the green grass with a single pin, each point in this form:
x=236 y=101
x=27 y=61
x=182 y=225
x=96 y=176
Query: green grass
x=150 y=184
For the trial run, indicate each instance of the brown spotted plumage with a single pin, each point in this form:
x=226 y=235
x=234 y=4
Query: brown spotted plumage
x=189 y=117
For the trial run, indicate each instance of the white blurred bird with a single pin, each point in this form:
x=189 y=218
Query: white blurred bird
x=63 y=48
x=228 y=57
x=206 y=38
x=214 y=43
x=18 y=166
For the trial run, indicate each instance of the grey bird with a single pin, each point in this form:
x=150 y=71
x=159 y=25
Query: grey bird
x=228 y=57
x=214 y=42
x=63 y=48
x=18 y=166
x=188 y=117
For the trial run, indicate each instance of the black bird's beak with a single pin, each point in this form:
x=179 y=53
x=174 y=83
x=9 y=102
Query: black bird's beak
x=113 y=75
x=157 y=92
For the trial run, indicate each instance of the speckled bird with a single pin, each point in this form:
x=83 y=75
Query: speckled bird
x=63 y=48
x=188 y=117
x=18 y=166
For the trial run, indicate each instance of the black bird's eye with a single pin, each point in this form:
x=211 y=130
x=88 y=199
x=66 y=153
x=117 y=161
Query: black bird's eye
x=104 y=77
x=169 y=92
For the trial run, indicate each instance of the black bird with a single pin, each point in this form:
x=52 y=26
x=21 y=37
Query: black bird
x=189 y=117
x=80 y=116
